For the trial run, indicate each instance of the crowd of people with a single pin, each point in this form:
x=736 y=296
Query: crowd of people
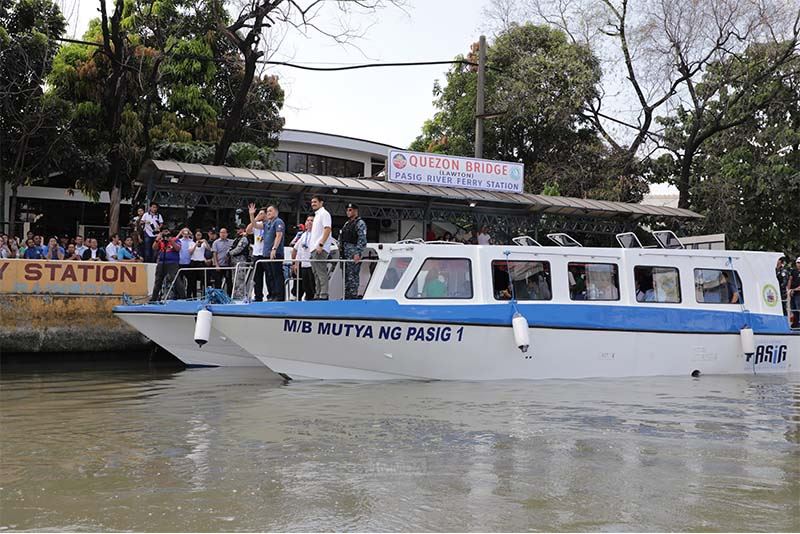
x=187 y=261
x=211 y=258
x=67 y=248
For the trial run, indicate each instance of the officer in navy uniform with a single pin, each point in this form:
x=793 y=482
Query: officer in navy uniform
x=353 y=238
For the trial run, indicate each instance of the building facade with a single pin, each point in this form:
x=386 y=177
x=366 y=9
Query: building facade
x=54 y=208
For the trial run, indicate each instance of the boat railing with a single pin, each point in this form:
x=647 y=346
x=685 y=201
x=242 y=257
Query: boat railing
x=291 y=283
x=243 y=268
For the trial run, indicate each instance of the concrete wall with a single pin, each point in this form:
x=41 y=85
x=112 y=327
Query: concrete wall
x=48 y=306
x=64 y=323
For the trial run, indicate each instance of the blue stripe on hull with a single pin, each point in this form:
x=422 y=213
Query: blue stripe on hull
x=545 y=315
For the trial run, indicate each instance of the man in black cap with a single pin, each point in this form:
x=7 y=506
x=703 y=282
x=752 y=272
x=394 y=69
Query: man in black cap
x=353 y=238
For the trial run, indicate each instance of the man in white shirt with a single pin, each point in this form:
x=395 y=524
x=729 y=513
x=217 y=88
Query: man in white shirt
x=301 y=267
x=256 y=227
x=484 y=238
x=80 y=248
x=112 y=247
x=152 y=222
x=321 y=243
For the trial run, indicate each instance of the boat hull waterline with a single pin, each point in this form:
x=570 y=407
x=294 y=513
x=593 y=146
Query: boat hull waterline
x=376 y=350
x=175 y=334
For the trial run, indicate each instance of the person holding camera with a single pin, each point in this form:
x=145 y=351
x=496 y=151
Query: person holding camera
x=167 y=251
x=256 y=229
x=151 y=222
x=54 y=250
x=198 y=251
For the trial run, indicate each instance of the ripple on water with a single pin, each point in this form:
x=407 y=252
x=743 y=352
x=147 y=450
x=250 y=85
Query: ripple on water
x=227 y=449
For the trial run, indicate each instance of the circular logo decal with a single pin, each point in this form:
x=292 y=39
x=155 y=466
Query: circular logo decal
x=515 y=173
x=399 y=161
x=770 y=295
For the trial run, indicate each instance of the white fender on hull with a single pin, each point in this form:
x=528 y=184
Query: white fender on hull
x=202 y=327
x=521 y=334
x=748 y=340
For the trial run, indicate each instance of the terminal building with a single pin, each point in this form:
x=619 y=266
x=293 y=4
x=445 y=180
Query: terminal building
x=55 y=208
x=342 y=169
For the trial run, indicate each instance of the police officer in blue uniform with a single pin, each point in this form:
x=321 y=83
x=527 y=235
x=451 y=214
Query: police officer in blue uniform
x=353 y=238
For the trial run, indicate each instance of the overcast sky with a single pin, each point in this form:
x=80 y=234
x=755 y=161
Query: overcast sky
x=385 y=105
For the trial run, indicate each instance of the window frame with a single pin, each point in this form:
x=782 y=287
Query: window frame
x=544 y=262
x=678 y=284
x=399 y=278
x=737 y=278
x=290 y=155
x=438 y=258
x=616 y=281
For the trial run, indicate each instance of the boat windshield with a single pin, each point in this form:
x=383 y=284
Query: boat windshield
x=397 y=267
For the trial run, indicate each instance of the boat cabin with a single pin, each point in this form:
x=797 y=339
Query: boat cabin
x=451 y=273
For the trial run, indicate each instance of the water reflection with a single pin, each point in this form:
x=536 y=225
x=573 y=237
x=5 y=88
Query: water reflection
x=228 y=449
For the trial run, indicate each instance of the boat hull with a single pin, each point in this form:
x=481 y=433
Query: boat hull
x=379 y=350
x=175 y=333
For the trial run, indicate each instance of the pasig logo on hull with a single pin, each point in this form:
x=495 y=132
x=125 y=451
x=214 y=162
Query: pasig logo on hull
x=768 y=355
x=455 y=171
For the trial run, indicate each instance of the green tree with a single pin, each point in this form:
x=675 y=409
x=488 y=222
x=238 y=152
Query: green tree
x=154 y=79
x=31 y=117
x=540 y=82
x=745 y=177
x=657 y=56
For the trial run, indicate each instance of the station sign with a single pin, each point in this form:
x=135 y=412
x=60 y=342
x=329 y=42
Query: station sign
x=455 y=171
x=31 y=277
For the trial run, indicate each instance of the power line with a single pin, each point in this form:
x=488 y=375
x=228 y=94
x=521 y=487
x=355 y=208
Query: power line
x=370 y=65
x=308 y=65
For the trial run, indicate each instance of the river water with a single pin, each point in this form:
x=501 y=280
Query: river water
x=236 y=450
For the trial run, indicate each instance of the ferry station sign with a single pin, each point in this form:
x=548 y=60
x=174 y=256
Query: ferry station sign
x=454 y=171
x=28 y=277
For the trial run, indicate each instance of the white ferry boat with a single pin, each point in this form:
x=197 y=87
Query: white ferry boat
x=466 y=312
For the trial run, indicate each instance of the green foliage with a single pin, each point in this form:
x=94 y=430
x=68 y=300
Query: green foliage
x=31 y=119
x=746 y=178
x=551 y=189
x=249 y=156
x=188 y=152
x=176 y=95
x=245 y=155
x=540 y=82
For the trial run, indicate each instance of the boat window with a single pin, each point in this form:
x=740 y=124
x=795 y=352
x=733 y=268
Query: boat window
x=593 y=281
x=718 y=286
x=526 y=280
x=397 y=267
x=442 y=278
x=657 y=284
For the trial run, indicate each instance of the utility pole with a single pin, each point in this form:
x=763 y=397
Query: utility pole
x=479 y=102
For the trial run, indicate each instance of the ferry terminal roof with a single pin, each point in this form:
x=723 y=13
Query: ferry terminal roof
x=205 y=178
